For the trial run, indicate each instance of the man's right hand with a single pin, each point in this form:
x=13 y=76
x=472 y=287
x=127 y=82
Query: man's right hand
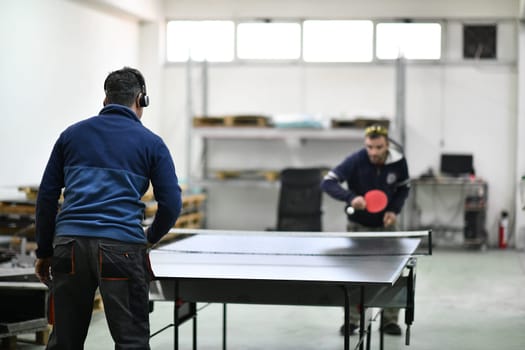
x=43 y=270
x=358 y=203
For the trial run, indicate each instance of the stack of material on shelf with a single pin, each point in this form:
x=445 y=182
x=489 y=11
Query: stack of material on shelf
x=232 y=121
x=298 y=121
x=191 y=216
x=248 y=174
x=17 y=217
x=30 y=191
x=358 y=122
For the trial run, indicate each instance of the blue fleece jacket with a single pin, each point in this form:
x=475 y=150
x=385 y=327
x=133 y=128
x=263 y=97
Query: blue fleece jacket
x=105 y=164
x=362 y=176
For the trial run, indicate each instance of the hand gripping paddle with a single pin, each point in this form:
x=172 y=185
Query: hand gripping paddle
x=376 y=201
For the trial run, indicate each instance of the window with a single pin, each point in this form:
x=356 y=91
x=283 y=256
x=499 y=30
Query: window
x=409 y=40
x=269 y=41
x=338 y=41
x=310 y=40
x=201 y=40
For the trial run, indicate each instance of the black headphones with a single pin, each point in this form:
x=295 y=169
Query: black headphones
x=143 y=96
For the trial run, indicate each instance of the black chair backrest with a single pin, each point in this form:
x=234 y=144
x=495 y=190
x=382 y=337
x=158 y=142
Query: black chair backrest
x=300 y=200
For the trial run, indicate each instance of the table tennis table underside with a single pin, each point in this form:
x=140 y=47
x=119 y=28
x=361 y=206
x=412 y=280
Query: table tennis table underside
x=235 y=285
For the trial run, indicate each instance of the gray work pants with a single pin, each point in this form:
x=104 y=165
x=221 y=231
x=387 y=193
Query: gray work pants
x=122 y=273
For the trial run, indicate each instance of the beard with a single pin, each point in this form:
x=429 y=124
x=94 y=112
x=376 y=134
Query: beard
x=378 y=159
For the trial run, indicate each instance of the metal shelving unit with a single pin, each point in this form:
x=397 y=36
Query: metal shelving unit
x=471 y=196
x=291 y=138
x=277 y=133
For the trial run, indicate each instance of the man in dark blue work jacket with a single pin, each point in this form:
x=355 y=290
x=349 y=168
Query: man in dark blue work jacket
x=104 y=165
x=377 y=166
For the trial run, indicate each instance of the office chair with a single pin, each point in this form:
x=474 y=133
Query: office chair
x=300 y=198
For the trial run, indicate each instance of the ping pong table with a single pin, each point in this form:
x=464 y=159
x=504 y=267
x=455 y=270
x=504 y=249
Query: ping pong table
x=370 y=270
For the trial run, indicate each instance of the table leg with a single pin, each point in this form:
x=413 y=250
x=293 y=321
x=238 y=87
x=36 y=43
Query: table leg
x=362 y=322
x=224 y=326
x=195 y=331
x=409 y=311
x=368 y=335
x=381 y=333
x=347 y=318
x=176 y=318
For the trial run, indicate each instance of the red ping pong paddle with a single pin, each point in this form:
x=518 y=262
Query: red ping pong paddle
x=376 y=201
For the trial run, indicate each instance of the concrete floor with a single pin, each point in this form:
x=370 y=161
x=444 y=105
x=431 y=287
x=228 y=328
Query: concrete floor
x=465 y=299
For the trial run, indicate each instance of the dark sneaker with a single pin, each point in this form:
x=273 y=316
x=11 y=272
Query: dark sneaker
x=351 y=329
x=392 y=329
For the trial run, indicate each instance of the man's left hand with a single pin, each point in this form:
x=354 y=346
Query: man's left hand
x=389 y=219
x=43 y=270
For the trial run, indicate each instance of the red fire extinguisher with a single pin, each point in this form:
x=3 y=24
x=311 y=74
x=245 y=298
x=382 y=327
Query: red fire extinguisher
x=503 y=229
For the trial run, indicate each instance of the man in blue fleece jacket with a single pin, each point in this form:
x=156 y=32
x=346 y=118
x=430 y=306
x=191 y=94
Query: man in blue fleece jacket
x=104 y=165
x=378 y=166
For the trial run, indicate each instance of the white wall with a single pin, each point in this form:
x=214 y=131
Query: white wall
x=142 y=9
x=341 y=8
x=456 y=106
x=449 y=109
x=520 y=144
x=55 y=57
x=56 y=53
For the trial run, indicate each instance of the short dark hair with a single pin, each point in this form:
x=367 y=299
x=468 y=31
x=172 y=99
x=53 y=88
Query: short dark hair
x=123 y=86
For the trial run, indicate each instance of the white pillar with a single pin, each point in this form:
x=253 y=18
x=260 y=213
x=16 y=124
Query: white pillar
x=519 y=229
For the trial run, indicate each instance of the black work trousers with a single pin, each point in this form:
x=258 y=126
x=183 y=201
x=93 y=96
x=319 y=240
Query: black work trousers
x=122 y=273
